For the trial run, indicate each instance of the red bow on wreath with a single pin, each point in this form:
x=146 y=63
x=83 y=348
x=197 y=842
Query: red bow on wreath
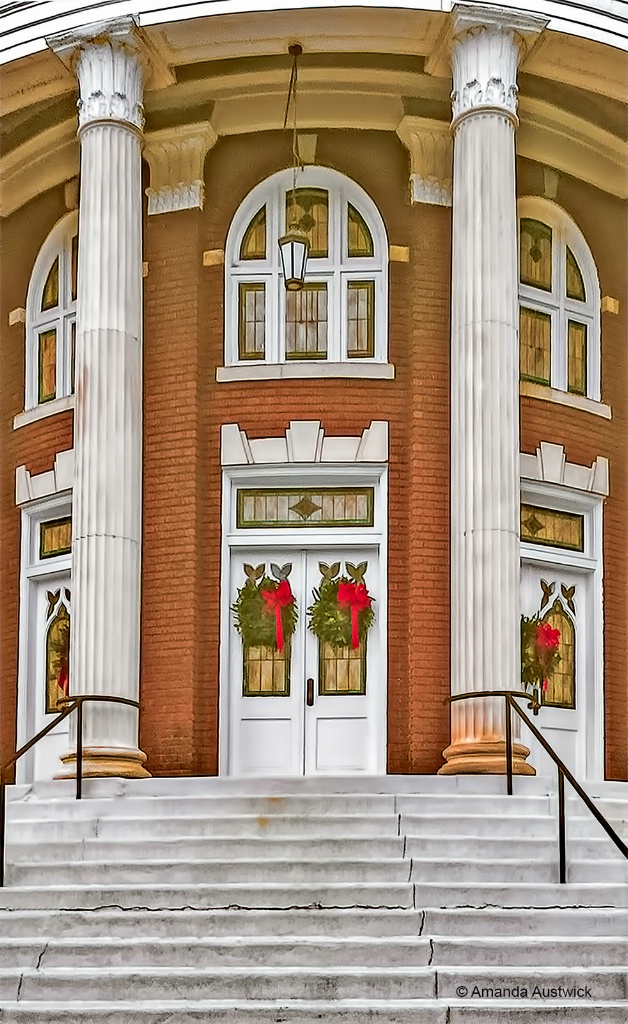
x=356 y=597
x=277 y=599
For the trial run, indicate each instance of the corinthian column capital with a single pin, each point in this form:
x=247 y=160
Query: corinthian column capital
x=486 y=49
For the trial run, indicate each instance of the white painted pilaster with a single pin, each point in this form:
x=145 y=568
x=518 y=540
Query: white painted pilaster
x=107 y=499
x=485 y=616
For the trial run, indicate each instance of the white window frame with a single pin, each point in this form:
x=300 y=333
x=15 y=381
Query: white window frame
x=565 y=232
x=57 y=244
x=336 y=269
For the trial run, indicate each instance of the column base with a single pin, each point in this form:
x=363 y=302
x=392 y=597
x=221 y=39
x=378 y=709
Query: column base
x=484 y=758
x=105 y=762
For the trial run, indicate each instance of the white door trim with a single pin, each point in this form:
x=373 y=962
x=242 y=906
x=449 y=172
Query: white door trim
x=307 y=475
x=591 y=559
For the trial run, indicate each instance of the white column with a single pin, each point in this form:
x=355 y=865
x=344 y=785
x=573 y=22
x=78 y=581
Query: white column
x=107 y=502
x=485 y=611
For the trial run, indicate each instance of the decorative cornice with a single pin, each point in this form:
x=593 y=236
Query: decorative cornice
x=430 y=146
x=304 y=441
x=550 y=466
x=484 y=48
x=44 y=485
x=176 y=157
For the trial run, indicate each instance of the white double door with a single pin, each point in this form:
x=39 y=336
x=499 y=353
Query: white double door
x=568 y=718
x=314 y=709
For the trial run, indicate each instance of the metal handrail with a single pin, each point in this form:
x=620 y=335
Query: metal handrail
x=561 y=768
x=74 y=703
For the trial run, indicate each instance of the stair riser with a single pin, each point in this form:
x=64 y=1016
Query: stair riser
x=200 y=923
x=491 y=872
x=522 y=923
x=508 y=827
x=181 y=1013
x=201 y=897
x=431 y=894
x=252 y=827
x=208 y=873
x=211 y=952
x=551 y=984
x=551 y=953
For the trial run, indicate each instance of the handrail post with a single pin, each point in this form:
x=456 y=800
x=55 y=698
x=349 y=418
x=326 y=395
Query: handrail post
x=3 y=822
x=508 y=742
x=561 y=826
x=79 y=751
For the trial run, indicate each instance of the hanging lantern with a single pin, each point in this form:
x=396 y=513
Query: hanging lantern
x=294 y=246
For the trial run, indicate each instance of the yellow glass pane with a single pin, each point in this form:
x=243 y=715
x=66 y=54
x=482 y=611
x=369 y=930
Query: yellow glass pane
x=360 y=319
x=254 y=242
x=577 y=358
x=535 y=254
x=308 y=208
x=306 y=322
x=74 y=267
x=342 y=669
x=561 y=684
x=295 y=507
x=535 y=331
x=575 y=284
x=252 y=321
x=360 y=240
x=57 y=658
x=50 y=296
x=266 y=672
x=47 y=365
x=55 y=537
x=551 y=527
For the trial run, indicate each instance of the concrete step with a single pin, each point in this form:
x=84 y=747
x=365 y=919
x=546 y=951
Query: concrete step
x=217 y=951
x=209 y=848
x=519 y=895
x=416 y=826
x=550 y=951
x=350 y=1011
x=211 y=871
x=521 y=923
x=547 y=983
x=473 y=803
x=475 y=869
x=219 y=983
x=503 y=848
x=615 y=870
x=193 y=923
x=202 y=896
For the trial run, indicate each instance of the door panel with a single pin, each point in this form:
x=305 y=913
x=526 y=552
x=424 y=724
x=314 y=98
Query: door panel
x=563 y=598
x=278 y=723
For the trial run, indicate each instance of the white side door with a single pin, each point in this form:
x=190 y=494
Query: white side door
x=309 y=709
x=563 y=596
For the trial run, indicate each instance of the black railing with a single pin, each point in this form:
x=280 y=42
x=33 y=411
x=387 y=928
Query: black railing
x=561 y=768
x=69 y=705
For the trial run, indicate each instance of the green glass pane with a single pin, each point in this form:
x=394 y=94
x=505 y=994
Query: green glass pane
x=574 y=282
x=254 y=242
x=535 y=254
x=577 y=358
x=359 y=238
x=308 y=209
x=47 y=365
x=50 y=296
x=360 y=319
x=252 y=321
x=306 y=322
x=535 y=331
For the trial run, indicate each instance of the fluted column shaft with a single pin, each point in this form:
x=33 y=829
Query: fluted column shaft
x=485 y=646
x=107 y=505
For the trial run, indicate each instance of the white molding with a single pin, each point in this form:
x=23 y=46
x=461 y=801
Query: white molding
x=302 y=370
x=549 y=465
x=44 y=485
x=431 y=155
x=530 y=390
x=304 y=442
x=41 y=412
x=176 y=157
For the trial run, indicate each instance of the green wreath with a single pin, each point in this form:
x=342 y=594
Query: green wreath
x=255 y=621
x=331 y=621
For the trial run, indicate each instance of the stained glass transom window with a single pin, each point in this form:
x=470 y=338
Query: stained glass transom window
x=359 y=240
x=50 y=297
x=55 y=537
x=254 y=242
x=561 y=684
x=310 y=208
x=575 y=284
x=552 y=528
x=291 y=507
x=535 y=266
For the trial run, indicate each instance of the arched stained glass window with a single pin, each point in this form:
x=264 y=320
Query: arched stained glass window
x=57 y=654
x=254 y=241
x=561 y=685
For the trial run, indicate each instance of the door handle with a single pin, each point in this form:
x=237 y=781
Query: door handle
x=309 y=697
